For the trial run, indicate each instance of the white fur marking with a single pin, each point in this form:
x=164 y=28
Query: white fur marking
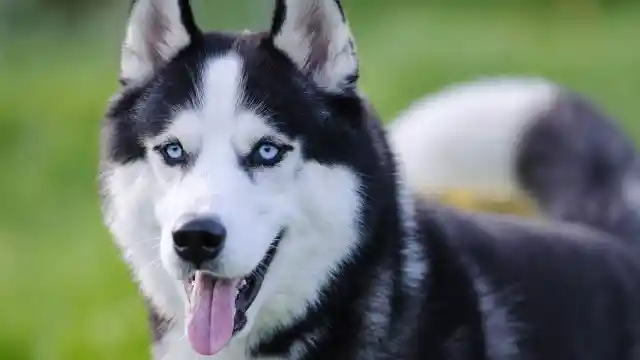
x=416 y=264
x=499 y=329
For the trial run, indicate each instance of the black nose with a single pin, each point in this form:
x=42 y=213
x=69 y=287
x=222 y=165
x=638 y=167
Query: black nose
x=198 y=239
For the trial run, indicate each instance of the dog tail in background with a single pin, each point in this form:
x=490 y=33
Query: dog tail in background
x=524 y=142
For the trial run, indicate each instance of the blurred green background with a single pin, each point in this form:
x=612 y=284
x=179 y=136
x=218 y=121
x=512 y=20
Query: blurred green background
x=64 y=292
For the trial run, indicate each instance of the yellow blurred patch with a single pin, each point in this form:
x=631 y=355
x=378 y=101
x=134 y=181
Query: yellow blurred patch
x=470 y=200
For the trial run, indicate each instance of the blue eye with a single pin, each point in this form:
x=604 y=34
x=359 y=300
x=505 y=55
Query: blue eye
x=267 y=153
x=173 y=153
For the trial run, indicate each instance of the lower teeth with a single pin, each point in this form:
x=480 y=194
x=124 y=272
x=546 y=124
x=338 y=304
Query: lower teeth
x=244 y=285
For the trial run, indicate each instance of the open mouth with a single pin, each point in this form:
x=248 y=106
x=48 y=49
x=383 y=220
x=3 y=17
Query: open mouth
x=217 y=306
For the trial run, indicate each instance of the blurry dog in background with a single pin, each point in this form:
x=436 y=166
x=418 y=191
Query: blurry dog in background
x=522 y=145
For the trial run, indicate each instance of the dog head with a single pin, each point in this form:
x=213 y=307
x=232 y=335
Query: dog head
x=235 y=166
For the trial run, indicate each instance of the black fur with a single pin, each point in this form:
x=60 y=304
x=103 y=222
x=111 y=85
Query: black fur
x=578 y=164
x=158 y=323
x=495 y=288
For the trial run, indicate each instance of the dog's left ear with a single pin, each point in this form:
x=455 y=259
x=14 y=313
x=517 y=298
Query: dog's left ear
x=157 y=30
x=315 y=35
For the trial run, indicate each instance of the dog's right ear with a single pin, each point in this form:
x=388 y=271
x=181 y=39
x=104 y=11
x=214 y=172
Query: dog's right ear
x=315 y=35
x=156 y=32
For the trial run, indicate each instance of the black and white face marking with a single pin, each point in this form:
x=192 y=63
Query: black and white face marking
x=263 y=133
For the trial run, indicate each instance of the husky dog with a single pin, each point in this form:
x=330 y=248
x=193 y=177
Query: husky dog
x=252 y=190
x=541 y=145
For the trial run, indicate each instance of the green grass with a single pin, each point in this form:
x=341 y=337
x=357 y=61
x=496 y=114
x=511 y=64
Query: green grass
x=65 y=294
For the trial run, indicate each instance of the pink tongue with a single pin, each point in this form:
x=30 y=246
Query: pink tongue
x=211 y=315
